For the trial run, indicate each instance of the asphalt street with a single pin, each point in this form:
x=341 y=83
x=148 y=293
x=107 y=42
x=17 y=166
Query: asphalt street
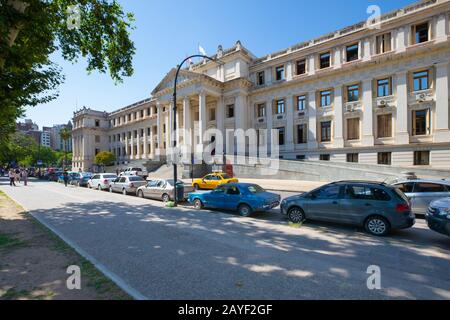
x=179 y=253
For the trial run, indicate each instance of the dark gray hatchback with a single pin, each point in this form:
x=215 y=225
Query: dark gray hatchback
x=377 y=207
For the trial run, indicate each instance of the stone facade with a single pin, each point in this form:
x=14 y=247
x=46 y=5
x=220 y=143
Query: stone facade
x=369 y=93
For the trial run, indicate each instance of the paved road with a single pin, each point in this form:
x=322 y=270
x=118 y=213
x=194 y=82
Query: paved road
x=180 y=253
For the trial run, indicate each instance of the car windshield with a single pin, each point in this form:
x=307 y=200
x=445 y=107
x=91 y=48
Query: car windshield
x=109 y=176
x=254 y=188
x=136 y=179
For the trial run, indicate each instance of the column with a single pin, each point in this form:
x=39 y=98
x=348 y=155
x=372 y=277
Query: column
x=138 y=145
x=441 y=28
x=269 y=126
x=312 y=64
x=132 y=145
x=240 y=120
x=442 y=133
x=289 y=124
x=127 y=154
x=337 y=57
x=401 y=39
x=220 y=117
x=159 y=125
x=402 y=133
x=202 y=116
x=145 y=144
x=187 y=135
x=338 y=118
x=367 y=121
x=312 y=123
x=366 y=49
x=152 y=144
x=177 y=129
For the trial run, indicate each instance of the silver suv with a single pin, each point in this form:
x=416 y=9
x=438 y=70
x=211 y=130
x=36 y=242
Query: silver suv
x=422 y=192
x=377 y=207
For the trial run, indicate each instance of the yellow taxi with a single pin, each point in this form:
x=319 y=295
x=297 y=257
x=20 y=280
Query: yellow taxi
x=211 y=181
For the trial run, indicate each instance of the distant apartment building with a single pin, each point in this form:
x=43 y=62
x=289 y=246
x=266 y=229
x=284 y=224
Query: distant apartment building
x=367 y=94
x=56 y=142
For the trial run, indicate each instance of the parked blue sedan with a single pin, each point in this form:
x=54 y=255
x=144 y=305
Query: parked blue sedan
x=245 y=198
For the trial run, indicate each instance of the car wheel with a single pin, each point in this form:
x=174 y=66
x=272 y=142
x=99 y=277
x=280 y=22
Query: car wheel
x=124 y=192
x=198 y=204
x=377 y=225
x=78 y=184
x=244 y=210
x=296 y=215
x=140 y=194
x=165 y=197
x=99 y=187
x=110 y=189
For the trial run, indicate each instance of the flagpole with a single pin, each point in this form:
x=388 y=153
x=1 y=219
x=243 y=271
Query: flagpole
x=174 y=140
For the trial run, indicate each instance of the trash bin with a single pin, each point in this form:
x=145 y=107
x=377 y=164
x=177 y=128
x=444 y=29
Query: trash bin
x=180 y=191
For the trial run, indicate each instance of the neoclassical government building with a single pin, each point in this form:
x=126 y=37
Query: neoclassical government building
x=372 y=93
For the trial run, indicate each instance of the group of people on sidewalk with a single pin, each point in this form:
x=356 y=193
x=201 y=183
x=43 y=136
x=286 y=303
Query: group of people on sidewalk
x=17 y=175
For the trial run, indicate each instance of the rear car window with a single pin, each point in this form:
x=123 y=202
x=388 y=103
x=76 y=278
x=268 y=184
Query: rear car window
x=109 y=176
x=406 y=187
x=426 y=187
x=136 y=179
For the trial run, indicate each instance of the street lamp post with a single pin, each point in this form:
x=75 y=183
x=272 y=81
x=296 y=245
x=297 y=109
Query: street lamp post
x=174 y=141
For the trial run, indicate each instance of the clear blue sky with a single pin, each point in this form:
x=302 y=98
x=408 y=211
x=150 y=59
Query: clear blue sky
x=167 y=30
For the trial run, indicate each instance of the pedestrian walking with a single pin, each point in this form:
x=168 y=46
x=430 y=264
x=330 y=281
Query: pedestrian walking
x=25 y=177
x=12 y=178
x=65 y=177
x=17 y=175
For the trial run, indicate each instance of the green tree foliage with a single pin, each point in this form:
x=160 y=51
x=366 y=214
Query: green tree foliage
x=105 y=158
x=24 y=150
x=32 y=30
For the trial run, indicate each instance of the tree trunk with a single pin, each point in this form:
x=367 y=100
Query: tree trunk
x=20 y=6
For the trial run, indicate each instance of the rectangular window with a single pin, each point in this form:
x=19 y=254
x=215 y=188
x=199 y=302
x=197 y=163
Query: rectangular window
x=325 y=60
x=421 y=33
x=421 y=122
x=149 y=130
x=324 y=157
x=279 y=73
x=421 y=80
x=301 y=103
x=142 y=114
x=261 y=110
x=230 y=111
x=421 y=158
x=383 y=43
x=97 y=139
x=353 y=157
x=325 y=131
x=302 y=133
x=280 y=106
x=149 y=110
x=212 y=114
x=352 y=52
x=260 y=78
x=301 y=157
x=281 y=132
x=301 y=67
x=385 y=158
x=353 y=129
x=384 y=126
x=353 y=93
x=325 y=98
x=384 y=87
x=97 y=123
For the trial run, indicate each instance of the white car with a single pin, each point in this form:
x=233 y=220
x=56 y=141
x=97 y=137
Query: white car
x=101 y=181
x=135 y=172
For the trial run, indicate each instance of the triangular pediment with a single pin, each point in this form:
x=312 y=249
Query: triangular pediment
x=168 y=80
